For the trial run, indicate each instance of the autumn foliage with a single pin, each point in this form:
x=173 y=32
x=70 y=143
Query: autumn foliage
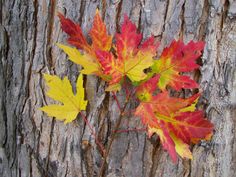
x=175 y=120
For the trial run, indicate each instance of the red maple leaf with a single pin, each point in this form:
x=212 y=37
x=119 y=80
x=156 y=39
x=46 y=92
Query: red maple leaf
x=173 y=119
x=175 y=59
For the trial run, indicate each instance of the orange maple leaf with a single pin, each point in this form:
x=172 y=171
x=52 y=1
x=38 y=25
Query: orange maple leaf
x=100 y=41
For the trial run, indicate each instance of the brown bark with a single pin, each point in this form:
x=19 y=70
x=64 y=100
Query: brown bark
x=32 y=144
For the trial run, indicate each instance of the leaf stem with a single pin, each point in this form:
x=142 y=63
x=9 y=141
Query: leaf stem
x=127 y=92
x=100 y=145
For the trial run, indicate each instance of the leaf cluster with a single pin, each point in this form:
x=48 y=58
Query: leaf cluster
x=175 y=120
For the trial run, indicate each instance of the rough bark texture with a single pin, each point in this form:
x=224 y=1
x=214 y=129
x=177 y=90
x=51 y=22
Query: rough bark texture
x=31 y=144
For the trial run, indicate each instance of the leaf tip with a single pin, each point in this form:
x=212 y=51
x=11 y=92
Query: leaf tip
x=60 y=15
x=97 y=11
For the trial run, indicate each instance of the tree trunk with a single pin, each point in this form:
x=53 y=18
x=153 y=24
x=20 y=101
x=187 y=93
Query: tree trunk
x=33 y=144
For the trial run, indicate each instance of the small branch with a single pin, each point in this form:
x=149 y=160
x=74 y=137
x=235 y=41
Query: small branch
x=100 y=145
x=117 y=101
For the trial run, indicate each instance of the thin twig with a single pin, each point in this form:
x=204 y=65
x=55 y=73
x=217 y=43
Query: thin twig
x=117 y=101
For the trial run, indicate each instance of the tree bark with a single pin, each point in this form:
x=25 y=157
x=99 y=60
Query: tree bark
x=33 y=144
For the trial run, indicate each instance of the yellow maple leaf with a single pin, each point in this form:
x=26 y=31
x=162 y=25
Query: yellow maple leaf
x=61 y=90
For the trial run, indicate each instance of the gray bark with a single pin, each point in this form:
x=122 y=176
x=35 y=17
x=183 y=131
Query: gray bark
x=32 y=144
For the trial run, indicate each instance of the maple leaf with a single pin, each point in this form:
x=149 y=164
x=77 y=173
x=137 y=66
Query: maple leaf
x=100 y=41
x=132 y=58
x=175 y=59
x=165 y=116
x=61 y=90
